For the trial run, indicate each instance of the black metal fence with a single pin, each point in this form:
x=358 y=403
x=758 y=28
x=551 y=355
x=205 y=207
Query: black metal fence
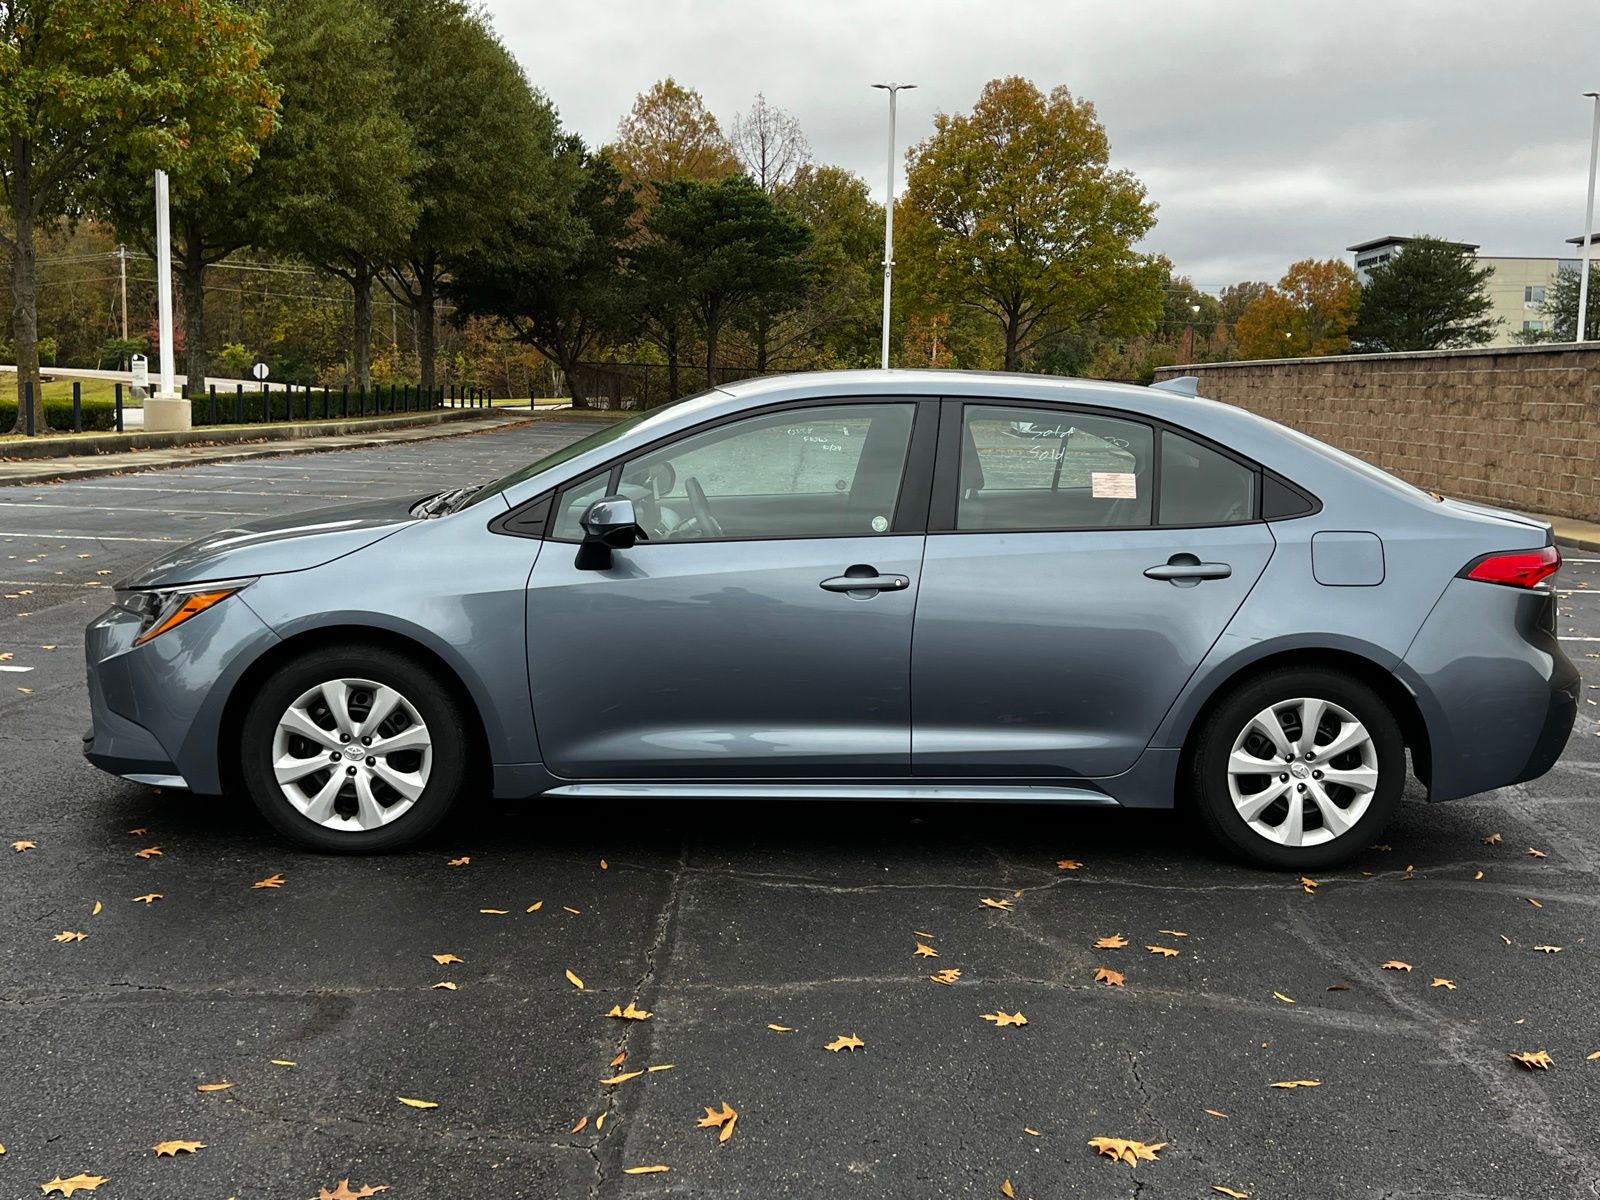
x=267 y=404
x=635 y=385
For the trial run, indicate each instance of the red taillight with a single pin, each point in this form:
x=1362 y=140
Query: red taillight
x=1521 y=568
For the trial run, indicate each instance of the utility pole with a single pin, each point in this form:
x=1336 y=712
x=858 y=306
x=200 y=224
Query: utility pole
x=122 y=265
x=166 y=410
x=888 y=216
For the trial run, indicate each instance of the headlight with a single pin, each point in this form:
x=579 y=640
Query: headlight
x=161 y=609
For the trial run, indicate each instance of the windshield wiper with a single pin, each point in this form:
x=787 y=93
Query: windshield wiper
x=450 y=501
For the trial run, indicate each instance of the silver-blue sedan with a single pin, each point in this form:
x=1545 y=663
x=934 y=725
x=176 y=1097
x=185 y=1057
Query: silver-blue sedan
x=901 y=584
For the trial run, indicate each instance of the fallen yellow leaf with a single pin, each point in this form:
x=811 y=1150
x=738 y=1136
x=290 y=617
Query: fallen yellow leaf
x=1007 y=1190
x=623 y=1078
x=1492 y=840
x=651 y=1170
x=948 y=976
x=1592 y=1057
x=213 y=1087
x=604 y=865
x=284 y=1062
x=578 y=1128
x=1394 y=964
x=19 y=847
x=1031 y=1132
x=444 y=985
x=1444 y=983
x=1114 y=942
x=988 y=902
x=1534 y=902
x=923 y=951
x=661 y=1067
x=76 y=1183
x=345 y=1192
x=445 y=960
x=630 y=1013
x=1164 y=951
x=494 y=912
x=536 y=906
x=97 y=909
x=409 y=1102
x=1126 y=1150
x=844 y=1042
x=175 y=1148
x=1228 y=1191
x=574 y=981
x=1533 y=1059
x=1297 y=1083
x=724 y=1120
x=148 y=898
x=570 y=909
x=1068 y=864
x=1549 y=949
x=148 y=852
x=69 y=935
x=1211 y=1112
x=1173 y=932
x=1108 y=977
x=1532 y=853
x=460 y=862
x=1281 y=996
x=1003 y=1018
x=780 y=1029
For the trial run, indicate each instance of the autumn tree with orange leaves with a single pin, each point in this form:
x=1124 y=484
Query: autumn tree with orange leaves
x=1310 y=312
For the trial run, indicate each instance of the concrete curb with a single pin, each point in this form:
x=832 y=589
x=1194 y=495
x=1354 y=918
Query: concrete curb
x=55 y=470
x=119 y=443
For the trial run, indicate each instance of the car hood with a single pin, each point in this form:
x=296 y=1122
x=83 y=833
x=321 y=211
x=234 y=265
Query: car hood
x=274 y=545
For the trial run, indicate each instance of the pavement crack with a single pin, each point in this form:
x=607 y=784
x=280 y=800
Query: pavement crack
x=642 y=988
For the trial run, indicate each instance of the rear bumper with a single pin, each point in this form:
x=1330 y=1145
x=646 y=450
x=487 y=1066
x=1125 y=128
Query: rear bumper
x=1498 y=694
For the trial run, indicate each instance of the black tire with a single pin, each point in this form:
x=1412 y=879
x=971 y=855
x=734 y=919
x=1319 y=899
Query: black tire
x=1213 y=743
x=431 y=698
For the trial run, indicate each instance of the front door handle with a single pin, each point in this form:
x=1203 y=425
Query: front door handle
x=862 y=578
x=1185 y=570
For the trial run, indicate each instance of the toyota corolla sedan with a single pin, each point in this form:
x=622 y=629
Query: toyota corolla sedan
x=876 y=585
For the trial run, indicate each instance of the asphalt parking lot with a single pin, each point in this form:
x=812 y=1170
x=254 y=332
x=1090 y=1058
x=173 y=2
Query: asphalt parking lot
x=755 y=935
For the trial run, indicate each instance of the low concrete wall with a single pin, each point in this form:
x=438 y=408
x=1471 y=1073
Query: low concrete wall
x=1517 y=427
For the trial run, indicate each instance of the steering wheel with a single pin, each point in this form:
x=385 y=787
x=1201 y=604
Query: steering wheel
x=702 y=510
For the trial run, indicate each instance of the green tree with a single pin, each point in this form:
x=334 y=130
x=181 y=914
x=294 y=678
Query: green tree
x=555 y=276
x=334 y=183
x=723 y=250
x=1014 y=209
x=177 y=84
x=837 y=324
x=484 y=144
x=1428 y=296
x=1560 y=306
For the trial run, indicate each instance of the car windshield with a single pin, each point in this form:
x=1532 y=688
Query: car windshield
x=606 y=433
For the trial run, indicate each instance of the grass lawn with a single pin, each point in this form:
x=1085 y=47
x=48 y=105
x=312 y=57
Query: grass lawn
x=60 y=388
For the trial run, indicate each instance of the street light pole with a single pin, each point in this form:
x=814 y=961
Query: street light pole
x=166 y=410
x=1580 y=334
x=888 y=216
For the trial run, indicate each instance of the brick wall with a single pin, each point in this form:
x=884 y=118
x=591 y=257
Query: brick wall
x=1517 y=427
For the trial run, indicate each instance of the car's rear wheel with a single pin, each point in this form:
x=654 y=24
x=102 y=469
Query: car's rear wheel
x=354 y=750
x=1298 y=769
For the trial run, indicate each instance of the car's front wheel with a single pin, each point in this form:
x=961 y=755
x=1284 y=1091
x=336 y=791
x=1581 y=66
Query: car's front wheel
x=1298 y=769
x=354 y=750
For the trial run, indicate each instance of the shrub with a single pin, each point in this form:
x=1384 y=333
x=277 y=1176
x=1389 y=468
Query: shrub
x=97 y=414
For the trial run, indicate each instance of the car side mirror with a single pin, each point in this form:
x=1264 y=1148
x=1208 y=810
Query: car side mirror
x=608 y=524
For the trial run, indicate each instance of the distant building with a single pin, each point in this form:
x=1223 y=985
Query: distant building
x=1516 y=289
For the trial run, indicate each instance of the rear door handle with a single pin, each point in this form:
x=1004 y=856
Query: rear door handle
x=1187 y=570
x=865 y=579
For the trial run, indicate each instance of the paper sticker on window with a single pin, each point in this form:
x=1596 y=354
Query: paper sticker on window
x=1113 y=485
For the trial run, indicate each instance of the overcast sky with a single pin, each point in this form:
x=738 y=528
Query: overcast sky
x=1266 y=130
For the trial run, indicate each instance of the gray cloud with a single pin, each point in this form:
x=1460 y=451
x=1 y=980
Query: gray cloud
x=1267 y=130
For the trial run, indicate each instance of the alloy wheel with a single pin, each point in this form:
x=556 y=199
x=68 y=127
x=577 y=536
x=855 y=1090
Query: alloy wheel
x=352 y=755
x=1302 y=772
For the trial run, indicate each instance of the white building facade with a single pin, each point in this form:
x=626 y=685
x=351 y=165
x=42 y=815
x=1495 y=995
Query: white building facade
x=1516 y=289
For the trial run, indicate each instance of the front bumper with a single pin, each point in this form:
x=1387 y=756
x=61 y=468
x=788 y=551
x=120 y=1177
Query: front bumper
x=157 y=708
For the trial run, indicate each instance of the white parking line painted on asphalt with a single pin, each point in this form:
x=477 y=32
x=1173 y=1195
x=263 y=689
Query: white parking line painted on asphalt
x=16 y=670
x=1578 y=639
x=134 y=487
x=82 y=537
x=155 y=512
